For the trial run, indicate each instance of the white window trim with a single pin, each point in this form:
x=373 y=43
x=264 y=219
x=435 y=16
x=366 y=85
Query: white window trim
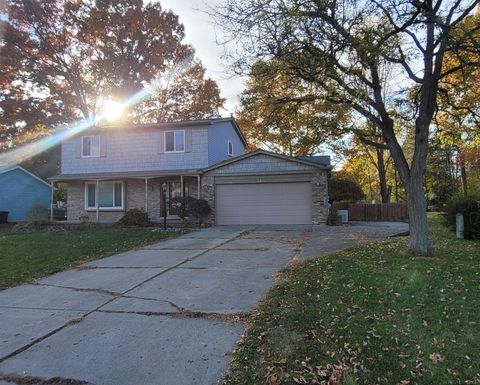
x=229 y=142
x=174 y=141
x=99 y=147
x=88 y=208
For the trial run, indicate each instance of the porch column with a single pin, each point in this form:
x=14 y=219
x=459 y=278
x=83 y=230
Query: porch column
x=198 y=186
x=97 y=190
x=51 y=201
x=181 y=186
x=146 y=195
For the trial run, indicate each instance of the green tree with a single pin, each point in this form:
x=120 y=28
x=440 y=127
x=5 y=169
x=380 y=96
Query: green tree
x=342 y=188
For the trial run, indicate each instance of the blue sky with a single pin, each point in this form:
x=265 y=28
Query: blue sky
x=200 y=33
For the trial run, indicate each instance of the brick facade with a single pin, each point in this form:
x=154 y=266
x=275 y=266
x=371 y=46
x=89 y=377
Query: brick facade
x=134 y=198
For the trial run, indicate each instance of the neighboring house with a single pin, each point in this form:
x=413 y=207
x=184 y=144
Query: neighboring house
x=112 y=169
x=20 y=190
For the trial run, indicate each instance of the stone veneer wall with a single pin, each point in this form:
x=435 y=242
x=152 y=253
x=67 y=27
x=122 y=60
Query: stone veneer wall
x=319 y=197
x=134 y=198
x=207 y=192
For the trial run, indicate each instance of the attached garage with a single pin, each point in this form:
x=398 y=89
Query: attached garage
x=266 y=188
x=264 y=203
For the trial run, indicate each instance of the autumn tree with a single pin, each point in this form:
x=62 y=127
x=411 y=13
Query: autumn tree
x=350 y=43
x=286 y=114
x=63 y=60
x=458 y=119
x=372 y=169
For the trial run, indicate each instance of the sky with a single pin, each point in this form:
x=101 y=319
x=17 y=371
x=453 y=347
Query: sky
x=200 y=32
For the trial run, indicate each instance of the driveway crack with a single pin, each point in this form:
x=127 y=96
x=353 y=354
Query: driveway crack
x=28 y=380
x=226 y=318
x=100 y=291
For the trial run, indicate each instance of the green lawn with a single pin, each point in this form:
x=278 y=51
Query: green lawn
x=372 y=314
x=27 y=256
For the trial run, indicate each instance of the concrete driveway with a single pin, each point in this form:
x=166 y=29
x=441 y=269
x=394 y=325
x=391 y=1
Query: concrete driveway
x=163 y=314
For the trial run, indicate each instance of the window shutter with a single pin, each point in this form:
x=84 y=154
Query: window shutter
x=103 y=145
x=161 y=142
x=188 y=140
x=78 y=146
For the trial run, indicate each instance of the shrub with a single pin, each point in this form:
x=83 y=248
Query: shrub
x=191 y=207
x=343 y=189
x=38 y=213
x=135 y=217
x=470 y=208
x=32 y=226
x=201 y=209
x=333 y=219
x=183 y=206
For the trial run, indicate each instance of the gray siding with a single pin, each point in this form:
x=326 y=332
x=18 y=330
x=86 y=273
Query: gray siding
x=218 y=136
x=136 y=150
x=262 y=163
x=19 y=192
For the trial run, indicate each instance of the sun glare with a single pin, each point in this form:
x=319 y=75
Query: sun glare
x=112 y=111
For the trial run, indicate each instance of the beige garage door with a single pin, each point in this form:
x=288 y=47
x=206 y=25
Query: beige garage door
x=264 y=203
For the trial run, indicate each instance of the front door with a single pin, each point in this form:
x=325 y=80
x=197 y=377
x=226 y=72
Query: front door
x=174 y=190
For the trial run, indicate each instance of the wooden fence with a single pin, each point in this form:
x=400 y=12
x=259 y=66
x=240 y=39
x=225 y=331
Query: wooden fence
x=374 y=212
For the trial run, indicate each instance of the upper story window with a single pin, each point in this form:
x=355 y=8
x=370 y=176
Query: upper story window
x=175 y=141
x=230 y=148
x=90 y=146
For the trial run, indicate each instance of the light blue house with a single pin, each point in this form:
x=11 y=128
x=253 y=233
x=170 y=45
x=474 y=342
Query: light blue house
x=20 y=190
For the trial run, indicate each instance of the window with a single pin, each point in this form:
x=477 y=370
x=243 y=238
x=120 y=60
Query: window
x=230 y=148
x=90 y=146
x=175 y=141
x=110 y=196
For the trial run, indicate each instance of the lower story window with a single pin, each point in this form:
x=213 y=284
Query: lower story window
x=110 y=195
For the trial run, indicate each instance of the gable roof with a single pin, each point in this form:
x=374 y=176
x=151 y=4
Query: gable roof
x=5 y=169
x=268 y=153
x=321 y=159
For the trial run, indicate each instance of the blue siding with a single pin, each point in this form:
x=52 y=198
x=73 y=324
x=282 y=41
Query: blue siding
x=218 y=136
x=19 y=192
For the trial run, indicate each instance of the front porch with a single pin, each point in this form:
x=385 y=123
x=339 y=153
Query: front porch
x=105 y=198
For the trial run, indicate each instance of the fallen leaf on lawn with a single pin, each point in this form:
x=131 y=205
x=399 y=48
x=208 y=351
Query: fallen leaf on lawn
x=436 y=358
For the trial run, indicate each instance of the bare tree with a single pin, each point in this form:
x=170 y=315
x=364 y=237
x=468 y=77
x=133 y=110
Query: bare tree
x=348 y=43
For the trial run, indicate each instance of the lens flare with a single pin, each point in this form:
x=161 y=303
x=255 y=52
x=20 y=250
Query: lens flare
x=22 y=153
x=112 y=110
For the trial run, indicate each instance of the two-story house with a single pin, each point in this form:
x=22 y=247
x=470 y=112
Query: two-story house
x=116 y=168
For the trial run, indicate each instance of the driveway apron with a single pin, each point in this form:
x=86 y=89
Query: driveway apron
x=164 y=314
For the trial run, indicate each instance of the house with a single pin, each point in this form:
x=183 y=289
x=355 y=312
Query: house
x=20 y=190
x=112 y=169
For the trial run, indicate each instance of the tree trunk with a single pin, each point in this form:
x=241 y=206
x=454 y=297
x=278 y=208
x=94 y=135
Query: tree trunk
x=463 y=172
x=382 y=175
x=417 y=215
x=413 y=181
